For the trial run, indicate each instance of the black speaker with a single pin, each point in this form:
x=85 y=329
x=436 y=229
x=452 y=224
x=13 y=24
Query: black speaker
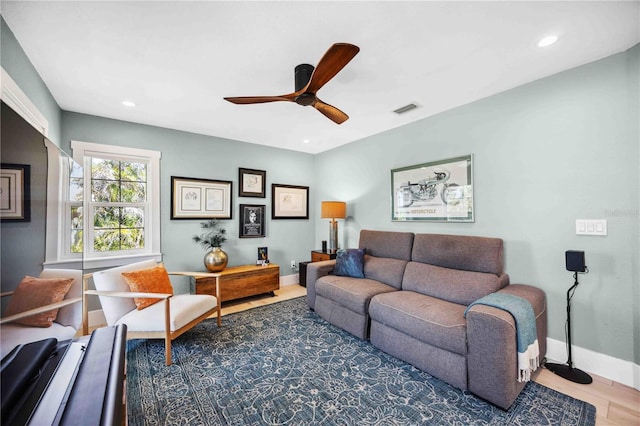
x=575 y=261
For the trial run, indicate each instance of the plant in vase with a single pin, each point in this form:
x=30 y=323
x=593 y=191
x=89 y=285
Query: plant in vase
x=212 y=238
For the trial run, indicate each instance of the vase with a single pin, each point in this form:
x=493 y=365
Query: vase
x=216 y=260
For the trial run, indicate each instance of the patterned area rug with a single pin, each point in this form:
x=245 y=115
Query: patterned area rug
x=283 y=365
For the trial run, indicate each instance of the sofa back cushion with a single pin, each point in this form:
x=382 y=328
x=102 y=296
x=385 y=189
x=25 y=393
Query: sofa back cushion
x=453 y=285
x=384 y=269
x=395 y=245
x=466 y=253
x=386 y=255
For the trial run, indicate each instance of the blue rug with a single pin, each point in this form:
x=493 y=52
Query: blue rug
x=283 y=365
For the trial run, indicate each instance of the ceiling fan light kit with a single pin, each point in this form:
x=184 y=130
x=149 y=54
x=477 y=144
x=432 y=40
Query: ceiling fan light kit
x=308 y=80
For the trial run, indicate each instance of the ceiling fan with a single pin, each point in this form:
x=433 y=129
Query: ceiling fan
x=309 y=80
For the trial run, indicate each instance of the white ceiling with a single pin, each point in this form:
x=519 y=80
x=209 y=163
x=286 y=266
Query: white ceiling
x=178 y=59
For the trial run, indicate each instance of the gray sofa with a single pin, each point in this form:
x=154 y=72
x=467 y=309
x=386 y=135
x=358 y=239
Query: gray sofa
x=411 y=304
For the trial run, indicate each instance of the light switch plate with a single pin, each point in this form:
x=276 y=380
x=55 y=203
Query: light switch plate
x=591 y=227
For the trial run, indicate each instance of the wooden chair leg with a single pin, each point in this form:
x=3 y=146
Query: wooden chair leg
x=219 y=301
x=167 y=332
x=167 y=350
x=85 y=305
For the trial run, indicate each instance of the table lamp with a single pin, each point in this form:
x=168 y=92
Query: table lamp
x=333 y=210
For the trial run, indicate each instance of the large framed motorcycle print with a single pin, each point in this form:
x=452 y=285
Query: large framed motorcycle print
x=440 y=191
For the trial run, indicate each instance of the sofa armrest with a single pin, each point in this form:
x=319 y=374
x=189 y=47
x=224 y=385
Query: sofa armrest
x=316 y=270
x=538 y=301
x=492 y=362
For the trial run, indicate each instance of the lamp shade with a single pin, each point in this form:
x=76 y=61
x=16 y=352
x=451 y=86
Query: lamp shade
x=333 y=210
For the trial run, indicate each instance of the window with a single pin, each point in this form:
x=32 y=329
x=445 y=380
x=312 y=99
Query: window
x=113 y=205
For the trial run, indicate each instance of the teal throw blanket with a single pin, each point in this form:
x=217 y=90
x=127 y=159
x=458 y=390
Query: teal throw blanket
x=526 y=333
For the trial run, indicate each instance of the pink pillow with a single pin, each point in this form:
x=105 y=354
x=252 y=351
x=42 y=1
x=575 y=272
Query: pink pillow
x=33 y=293
x=149 y=280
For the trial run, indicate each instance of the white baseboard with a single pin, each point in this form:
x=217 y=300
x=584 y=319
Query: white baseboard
x=286 y=280
x=625 y=372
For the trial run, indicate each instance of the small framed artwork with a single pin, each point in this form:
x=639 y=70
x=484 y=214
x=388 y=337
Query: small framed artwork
x=440 y=191
x=15 y=192
x=252 y=183
x=252 y=221
x=263 y=256
x=289 y=202
x=193 y=198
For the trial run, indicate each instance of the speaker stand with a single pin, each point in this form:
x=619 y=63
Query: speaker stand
x=573 y=374
x=567 y=370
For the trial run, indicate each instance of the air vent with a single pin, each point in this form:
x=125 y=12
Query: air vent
x=406 y=108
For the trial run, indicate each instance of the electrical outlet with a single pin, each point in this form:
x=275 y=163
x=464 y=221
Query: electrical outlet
x=293 y=264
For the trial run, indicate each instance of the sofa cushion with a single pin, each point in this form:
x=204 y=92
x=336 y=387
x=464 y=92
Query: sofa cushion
x=453 y=285
x=350 y=263
x=384 y=269
x=427 y=319
x=352 y=293
x=395 y=245
x=479 y=254
x=183 y=308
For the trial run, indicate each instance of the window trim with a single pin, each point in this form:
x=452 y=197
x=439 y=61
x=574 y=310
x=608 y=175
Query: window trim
x=82 y=150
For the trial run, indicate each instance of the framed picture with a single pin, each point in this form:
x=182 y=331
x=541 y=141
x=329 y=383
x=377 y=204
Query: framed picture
x=200 y=198
x=252 y=183
x=15 y=192
x=440 y=191
x=252 y=221
x=263 y=256
x=289 y=202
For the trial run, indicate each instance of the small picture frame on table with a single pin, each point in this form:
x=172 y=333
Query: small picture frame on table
x=263 y=256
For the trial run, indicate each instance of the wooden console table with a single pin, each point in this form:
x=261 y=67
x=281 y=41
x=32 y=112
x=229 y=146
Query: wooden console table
x=237 y=282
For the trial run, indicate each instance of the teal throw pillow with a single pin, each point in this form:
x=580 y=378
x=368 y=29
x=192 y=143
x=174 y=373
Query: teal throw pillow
x=349 y=263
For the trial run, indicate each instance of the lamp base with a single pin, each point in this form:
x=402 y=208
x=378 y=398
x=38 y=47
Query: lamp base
x=572 y=374
x=333 y=235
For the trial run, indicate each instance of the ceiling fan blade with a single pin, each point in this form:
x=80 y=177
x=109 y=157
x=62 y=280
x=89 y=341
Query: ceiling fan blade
x=331 y=63
x=260 y=99
x=331 y=112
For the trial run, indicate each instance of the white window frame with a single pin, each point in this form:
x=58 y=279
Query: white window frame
x=58 y=251
x=82 y=153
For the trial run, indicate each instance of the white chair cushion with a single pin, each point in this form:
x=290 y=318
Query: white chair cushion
x=16 y=334
x=69 y=315
x=184 y=309
x=111 y=280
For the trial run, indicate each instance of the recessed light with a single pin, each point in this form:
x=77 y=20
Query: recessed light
x=547 y=41
x=306 y=141
x=128 y=103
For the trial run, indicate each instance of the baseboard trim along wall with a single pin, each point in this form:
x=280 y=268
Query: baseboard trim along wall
x=618 y=370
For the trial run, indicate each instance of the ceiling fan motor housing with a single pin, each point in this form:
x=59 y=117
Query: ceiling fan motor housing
x=302 y=76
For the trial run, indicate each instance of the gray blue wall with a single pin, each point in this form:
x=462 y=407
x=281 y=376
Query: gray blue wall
x=204 y=157
x=545 y=154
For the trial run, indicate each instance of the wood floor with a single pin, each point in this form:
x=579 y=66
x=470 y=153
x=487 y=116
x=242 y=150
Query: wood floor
x=615 y=404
